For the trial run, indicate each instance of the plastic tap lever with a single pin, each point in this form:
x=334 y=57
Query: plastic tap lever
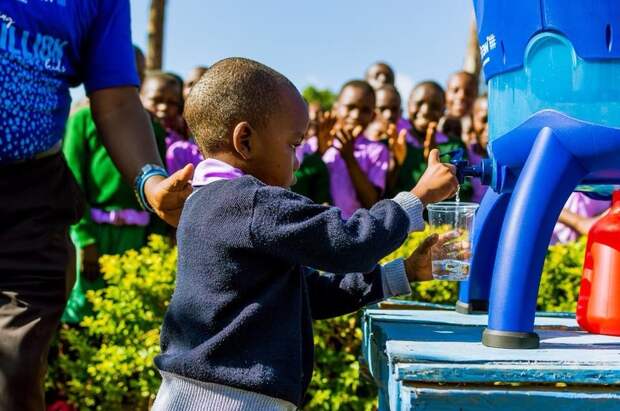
x=464 y=169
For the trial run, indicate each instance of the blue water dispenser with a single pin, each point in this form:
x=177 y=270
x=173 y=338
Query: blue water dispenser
x=552 y=69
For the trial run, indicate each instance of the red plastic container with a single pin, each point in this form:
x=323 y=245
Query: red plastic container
x=598 y=307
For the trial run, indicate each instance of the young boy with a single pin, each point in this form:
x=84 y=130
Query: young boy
x=426 y=105
x=461 y=92
x=238 y=331
x=379 y=74
x=312 y=177
x=388 y=128
x=162 y=96
x=357 y=166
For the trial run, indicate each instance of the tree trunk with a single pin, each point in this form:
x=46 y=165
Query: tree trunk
x=156 y=35
x=472 y=62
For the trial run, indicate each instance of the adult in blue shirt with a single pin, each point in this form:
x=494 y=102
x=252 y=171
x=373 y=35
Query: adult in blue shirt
x=47 y=46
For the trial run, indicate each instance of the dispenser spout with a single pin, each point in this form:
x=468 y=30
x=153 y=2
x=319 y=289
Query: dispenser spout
x=483 y=171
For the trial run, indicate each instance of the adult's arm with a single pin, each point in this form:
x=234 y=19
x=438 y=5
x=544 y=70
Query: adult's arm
x=126 y=132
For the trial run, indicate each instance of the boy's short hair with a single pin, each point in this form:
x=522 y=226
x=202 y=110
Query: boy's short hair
x=232 y=90
x=388 y=88
x=166 y=78
x=471 y=76
x=431 y=84
x=361 y=84
x=386 y=66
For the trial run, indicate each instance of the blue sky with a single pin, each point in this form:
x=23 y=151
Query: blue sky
x=320 y=42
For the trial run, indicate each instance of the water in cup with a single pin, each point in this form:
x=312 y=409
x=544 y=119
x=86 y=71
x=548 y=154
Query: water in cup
x=455 y=222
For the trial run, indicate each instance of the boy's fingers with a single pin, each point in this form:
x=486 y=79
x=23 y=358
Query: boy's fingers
x=428 y=243
x=433 y=157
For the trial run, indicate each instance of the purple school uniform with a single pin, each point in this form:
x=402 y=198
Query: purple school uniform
x=181 y=153
x=372 y=157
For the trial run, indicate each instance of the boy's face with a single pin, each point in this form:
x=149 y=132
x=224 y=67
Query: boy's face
x=273 y=149
x=355 y=107
x=162 y=99
x=388 y=105
x=426 y=105
x=480 y=121
x=460 y=95
x=379 y=75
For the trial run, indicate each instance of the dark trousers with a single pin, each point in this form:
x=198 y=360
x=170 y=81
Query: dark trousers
x=39 y=199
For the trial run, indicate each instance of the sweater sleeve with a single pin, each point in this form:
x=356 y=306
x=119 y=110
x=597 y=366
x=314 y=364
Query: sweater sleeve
x=332 y=295
x=293 y=228
x=76 y=153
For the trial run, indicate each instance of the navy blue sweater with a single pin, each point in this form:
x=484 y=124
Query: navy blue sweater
x=241 y=314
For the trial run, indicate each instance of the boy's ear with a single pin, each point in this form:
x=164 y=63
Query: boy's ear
x=242 y=139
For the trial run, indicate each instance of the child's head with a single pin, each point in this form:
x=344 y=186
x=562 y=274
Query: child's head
x=426 y=105
x=379 y=74
x=388 y=104
x=314 y=112
x=480 y=120
x=461 y=93
x=355 y=105
x=251 y=116
x=161 y=95
x=192 y=78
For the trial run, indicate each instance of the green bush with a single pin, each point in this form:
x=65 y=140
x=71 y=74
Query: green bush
x=325 y=97
x=107 y=364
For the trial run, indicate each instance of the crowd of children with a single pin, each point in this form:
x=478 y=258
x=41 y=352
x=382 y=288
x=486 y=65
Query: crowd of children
x=366 y=150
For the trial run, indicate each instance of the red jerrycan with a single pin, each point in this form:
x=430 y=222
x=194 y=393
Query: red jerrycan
x=598 y=307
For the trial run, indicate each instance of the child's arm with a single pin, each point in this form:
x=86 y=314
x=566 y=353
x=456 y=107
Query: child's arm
x=333 y=295
x=291 y=227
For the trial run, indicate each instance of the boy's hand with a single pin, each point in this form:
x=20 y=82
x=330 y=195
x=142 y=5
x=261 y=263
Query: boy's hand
x=346 y=138
x=326 y=122
x=398 y=143
x=167 y=195
x=419 y=264
x=438 y=181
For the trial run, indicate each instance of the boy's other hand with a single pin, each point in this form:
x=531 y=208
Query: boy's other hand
x=419 y=265
x=438 y=181
x=168 y=195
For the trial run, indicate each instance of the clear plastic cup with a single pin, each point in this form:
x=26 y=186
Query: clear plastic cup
x=451 y=259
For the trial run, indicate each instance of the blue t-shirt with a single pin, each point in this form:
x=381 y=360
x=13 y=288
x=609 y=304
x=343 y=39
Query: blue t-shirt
x=47 y=46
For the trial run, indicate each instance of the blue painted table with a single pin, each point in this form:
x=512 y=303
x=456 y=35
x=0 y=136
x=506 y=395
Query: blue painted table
x=428 y=357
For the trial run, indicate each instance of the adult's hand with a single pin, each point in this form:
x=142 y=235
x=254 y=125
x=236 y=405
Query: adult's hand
x=167 y=195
